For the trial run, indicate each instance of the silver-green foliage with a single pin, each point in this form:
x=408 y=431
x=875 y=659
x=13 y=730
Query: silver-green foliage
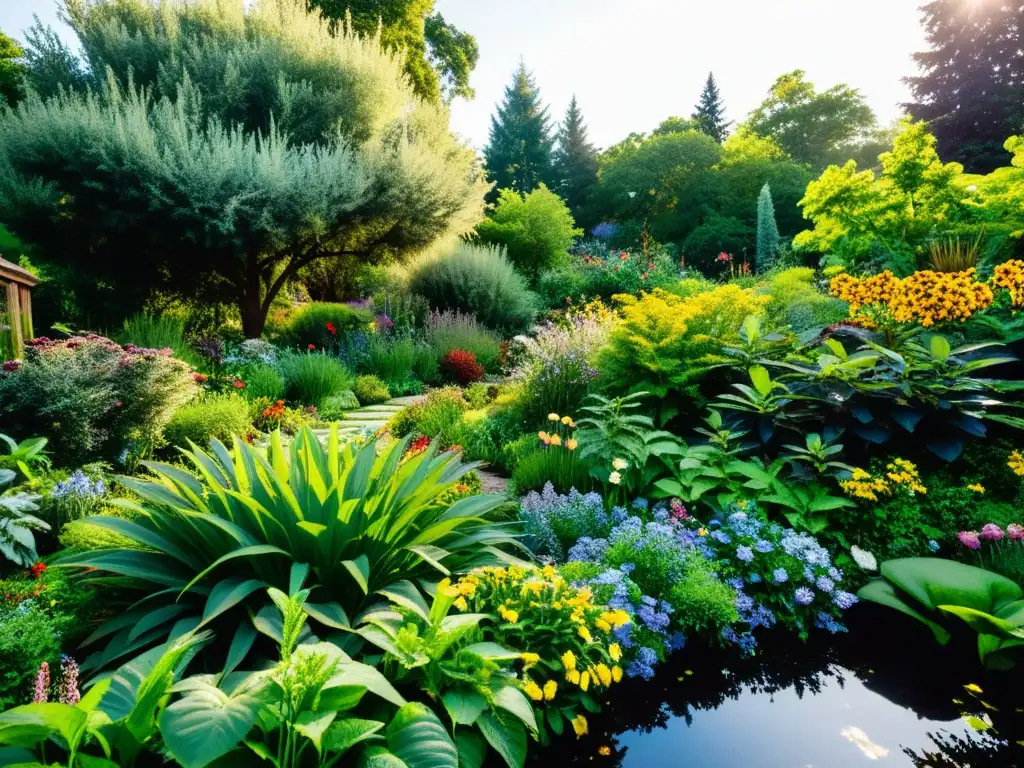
x=224 y=146
x=767 y=231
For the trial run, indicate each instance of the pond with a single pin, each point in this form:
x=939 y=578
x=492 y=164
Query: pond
x=885 y=694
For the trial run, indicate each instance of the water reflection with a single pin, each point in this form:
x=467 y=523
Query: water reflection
x=885 y=694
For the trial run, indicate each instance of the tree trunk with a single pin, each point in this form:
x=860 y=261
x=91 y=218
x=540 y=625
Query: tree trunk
x=254 y=316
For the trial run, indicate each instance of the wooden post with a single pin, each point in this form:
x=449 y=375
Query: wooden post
x=14 y=312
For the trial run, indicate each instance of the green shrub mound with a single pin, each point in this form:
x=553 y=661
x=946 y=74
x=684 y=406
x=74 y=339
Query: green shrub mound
x=311 y=378
x=213 y=416
x=313 y=324
x=370 y=390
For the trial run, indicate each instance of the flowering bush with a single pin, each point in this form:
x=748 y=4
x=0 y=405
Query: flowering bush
x=554 y=522
x=599 y=272
x=370 y=390
x=996 y=549
x=1010 y=278
x=91 y=396
x=780 y=576
x=461 y=367
x=553 y=460
x=324 y=325
x=72 y=498
x=899 y=475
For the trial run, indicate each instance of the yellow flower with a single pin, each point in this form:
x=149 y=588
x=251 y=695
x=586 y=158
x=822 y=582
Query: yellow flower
x=615 y=651
x=544 y=437
x=552 y=417
x=604 y=675
x=550 y=689
x=619 y=464
x=461 y=604
x=510 y=616
x=569 y=660
x=573 y=676
x=571 y=443
x=534 y=691
x=603 y=625
x=584 y=681
x=604 y=750
x=53 y=603
x=1015 y=461
x=976 y=487
x=529 y=658
x=616 y=673
x=585 y=634
x=549 y=571
x=567 y=421
x=556 y=440
x=702 y=531
x=614 y=478
x=579 y=724
x=446 y=589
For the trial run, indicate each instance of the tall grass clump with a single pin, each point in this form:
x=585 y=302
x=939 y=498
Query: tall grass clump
x=159 y=332
x=324 y=324
x=262 y=381
x=475 y=279
x=390 y=359
x=447 y=331
x=311 y=378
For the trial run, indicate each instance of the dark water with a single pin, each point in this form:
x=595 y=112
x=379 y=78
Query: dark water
x=885 y=694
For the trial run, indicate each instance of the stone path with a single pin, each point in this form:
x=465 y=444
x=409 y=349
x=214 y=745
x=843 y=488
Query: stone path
x=370 y=418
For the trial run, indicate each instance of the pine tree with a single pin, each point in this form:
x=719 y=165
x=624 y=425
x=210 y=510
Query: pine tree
x=710 y=111
x=575 y=162
x=767 y=231
x=518 y=155
x=971 y=83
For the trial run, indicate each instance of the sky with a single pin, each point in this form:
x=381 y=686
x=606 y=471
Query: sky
x=632 y=63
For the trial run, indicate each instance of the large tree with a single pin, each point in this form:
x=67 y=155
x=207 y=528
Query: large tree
x=575 y=160
x=519 y=153
x=438 y=57
x=12 y=71
x=971 y=83
x=217 y=149
x=813 y=127
x=709 y=113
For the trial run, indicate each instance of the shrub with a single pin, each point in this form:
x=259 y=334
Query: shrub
x=425 y=364
x=477 y=280
x=312 y=377
x=438 y=415
x=461 y=367
x=480 y=395
x=254 y=351
x=370 y=390
x=93 y=398
x=547 y=464
x=703 y=604
x=262 y=381
x=210 y=417
x=665 y=344
x=159 y=332
x=597 y=272
x=335 y=406
x=389 y=359
x=380 y=505
x=718 y=234
x=554 y=522
x=448 y=331
x=536 y=229
x=794 y=301
x=322 y=324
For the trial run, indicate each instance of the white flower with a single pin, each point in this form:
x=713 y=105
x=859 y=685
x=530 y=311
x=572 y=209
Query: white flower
x=614 y=478
x=620 y=464
x=863 y=558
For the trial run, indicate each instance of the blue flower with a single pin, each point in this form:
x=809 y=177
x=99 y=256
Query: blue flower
x=763 y=546
x=744 y=553
x=824 y=621
x=735 y=583
x=844 y=599
x=720 y=536
x=754 y=578
x=803 y=596
x=744 y=603
x=643 y=665
x=748 y=642
x=639 y=503
x=780 y=576
x=933 y=545
x=675 y=642
x=825 y=584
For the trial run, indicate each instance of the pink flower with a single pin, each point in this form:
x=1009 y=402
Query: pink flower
x=723 y=256
x=69 y=692
x=991 y=532
x=42 y=684
x=969 y=539
x=1015 y=532
x=11 y=366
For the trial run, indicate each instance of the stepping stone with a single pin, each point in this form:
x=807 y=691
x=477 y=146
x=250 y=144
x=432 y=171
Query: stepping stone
x=406 y=401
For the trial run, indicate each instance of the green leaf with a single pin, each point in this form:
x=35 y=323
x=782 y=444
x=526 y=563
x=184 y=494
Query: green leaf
x=207 y=724
x=507 y=737
x=419 y=739
x=471 y=746
x=226 y=595
x=939 y=348
x=882 y=592
x=345 y=734
x=349 y=673
x=407 y=595
x=379 y=757
x=761 y=380
x=360 y=571
x=313 y=725
x=464 y=705
x=985 y=623
x=329 y=614
x=513 y=700
x=30 y=724
x=493 y=651
x=935 y=581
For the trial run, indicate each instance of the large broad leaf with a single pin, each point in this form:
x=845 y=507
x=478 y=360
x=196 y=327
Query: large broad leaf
x=464 y=705
x=313 y=725
x=472 y=748
x=226 y=595
x=206 y=724
x=512 y=700
x=353 y=673
x=380 y=757
x=493 y=651
x=506 y=735
x=405 y=594
x=419 y=739
x=345 y=734
x=31 y=724
x=985 y=623
x=934 y=582
x=882 y=592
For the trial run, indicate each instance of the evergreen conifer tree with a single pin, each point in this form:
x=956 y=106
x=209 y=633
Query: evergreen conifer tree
x=970 y=88
x=518 y=155
x=575 y=162
x=710 y=111
x=767 y=231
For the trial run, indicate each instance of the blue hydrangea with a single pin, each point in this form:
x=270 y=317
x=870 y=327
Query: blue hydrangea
x=835 y=574
x=803 y=596
x=825 y=584
x=639 y=503
x=735 y=582
x=748 y=642
x=619 y=514
x=675 y=642
x=588 y=550
x=844 y=600
x=824 y=621
x=780 y=576
x=643 y=665
x=744 y=603
x=754 y=578
x=744 y=553
x=549 y=517
x=720 y=536
x=761 y=616
x=763 y=546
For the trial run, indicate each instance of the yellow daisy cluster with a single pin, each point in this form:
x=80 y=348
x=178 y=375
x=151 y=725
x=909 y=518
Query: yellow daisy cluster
x=899 y=473
x=1010 y=277
x=562 y=434
x=579 y=649
x=1015 y=461
x=977 y=488
x=926 y=297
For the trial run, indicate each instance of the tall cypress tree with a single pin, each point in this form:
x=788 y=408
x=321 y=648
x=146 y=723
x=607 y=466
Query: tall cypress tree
x=767 y=231
x=710 y=111
x=575 y=162
x=971 y=83
x=518 y=155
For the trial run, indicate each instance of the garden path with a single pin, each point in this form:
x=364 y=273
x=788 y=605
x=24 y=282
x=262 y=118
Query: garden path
x=370 y=418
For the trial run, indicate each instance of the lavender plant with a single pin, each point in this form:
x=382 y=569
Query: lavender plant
x=553 y=522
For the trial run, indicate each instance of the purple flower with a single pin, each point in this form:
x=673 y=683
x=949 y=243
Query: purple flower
x=1015 y=532
x=744 y=553
x=69 y=692
x=803 y=596
x=744 y=603
x=969 y=539
x=780 y=576
x=42 y=689
x=735 y=583
x=991 y=532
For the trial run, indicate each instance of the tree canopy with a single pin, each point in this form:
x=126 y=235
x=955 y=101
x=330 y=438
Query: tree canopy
x=12 y=71
x=438 y=57
x=518 y=155
x=217 y=150
x=817 y=128
x=575 y=160
x=970 y=88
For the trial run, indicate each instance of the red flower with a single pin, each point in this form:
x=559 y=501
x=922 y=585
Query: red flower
x=331 y=329
x=643 y=276
x=461 y=367
x=623 y=256
x=312 y=346
x=199 y=378
x=11 y=366
x=723 y=256
x=37 y=570
x=238 y=384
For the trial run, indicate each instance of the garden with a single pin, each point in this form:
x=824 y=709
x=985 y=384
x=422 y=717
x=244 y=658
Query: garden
x=322 y=445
